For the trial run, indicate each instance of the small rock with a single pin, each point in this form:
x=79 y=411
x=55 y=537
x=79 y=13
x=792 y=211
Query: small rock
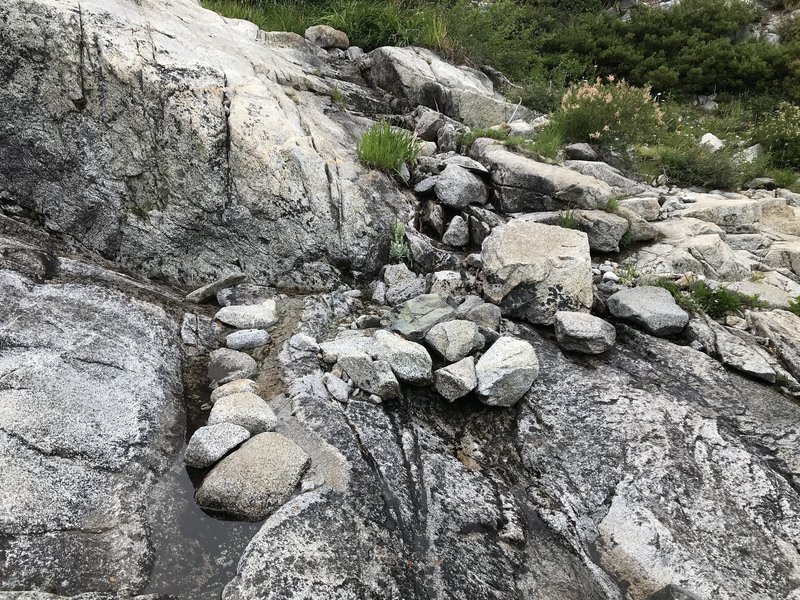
x=761 y=183
x=209 y=444
x=457 y=234
x=457 y=187
x=711 y=142
x=327 y=37
x=580 y=151
x=650 y=307
x=333 y=350
x=455 y=340
x=402 y=284
x=415 y=317
x=244 y=409
x=368 y=321
x=379 y=294
x=447 y=138
x=581 y=332
x=249 y=316
x=372 y=376
x=409 y=361
x=457 y=380
x=255 y=480
x=304 y=343
x=207 y=291
x=247 y=339
x=474 y=261
x=226 y=365
x=611 y=276
x=336 y=387
x=237 y=386
x=426 y=185
x=446 y=283
x=506 y=372
x=354 y=53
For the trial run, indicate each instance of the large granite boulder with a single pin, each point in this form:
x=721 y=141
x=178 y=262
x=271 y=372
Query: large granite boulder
x=188 y=149
x=523 y=184
x=422 y=77
x=533 y=270
x=256 y=479
x=91 y=413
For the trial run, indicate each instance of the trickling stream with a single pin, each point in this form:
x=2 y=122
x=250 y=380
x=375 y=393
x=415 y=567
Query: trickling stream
x=195 y=554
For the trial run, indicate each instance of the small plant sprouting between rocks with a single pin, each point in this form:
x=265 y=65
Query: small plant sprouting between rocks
x=715 y=302
x=338 y=98
x=794 y=306
x=567 y=219
x=387 y=148
x=628 y=275
x=398 y=249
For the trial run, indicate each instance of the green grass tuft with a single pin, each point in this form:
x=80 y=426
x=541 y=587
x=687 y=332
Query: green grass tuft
x=387 y=148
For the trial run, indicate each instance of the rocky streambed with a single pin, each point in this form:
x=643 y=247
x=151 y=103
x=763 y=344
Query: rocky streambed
x=515 y=411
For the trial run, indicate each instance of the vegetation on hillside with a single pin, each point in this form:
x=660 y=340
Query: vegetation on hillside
x=555 y=51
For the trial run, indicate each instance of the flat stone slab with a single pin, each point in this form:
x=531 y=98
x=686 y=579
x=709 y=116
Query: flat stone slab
x=249 y=316
x=652 y=308
x=208 y=291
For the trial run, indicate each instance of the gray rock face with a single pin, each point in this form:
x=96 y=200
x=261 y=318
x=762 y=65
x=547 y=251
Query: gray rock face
x=255 y=480
x=458 y=188
x=421 y=76
x=90 y=414
x=244 y=409
x=327 y=37
x=522 y=184
x=211 y=443
x=226 y=365
x=457 y=234
x=732 y=350
x=454 y=340
x=620 y=184
x=593 y=486
x=506 y=371
x=652 y=308
x=780 y=327
x=457 y=380
x=428 y=258
x=581 y=332
x=247 y=339
x=402 y=284
x=249 y=316
x=414 y=318
x=409 y=361
x=372 y=376
x=190 y=170
x=533 y=270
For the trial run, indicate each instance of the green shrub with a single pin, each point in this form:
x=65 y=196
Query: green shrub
x=780 y=135
x=686 y=163
x=387 y=148
x=269 y=16
x=612 y=113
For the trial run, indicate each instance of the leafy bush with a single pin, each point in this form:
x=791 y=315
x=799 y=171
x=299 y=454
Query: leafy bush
x=387 y=148
x=780 y=135
x=613 y=113
x=686 y=163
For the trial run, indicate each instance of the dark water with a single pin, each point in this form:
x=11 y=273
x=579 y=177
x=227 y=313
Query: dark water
x=195 y=554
